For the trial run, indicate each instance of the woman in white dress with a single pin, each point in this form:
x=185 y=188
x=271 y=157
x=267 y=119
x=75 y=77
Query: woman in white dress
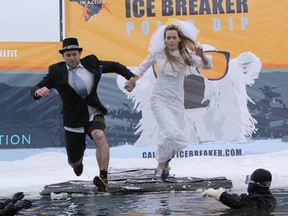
x=173 y=49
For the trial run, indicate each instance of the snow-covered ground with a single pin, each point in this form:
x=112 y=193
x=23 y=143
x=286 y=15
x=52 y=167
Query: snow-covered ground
x=29 y=170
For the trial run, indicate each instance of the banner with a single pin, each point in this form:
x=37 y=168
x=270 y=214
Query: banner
x=121 y=30
x=248 y=102
x=28 y=56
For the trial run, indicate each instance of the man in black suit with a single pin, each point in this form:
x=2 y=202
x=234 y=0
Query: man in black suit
x=76 y=81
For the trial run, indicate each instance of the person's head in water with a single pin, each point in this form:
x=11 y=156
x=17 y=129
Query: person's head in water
x=259 y=181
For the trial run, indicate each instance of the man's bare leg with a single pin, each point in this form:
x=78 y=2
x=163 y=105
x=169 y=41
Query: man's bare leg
x=102 y=149
x=102 y=157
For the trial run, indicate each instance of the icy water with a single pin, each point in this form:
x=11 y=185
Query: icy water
x=177 y=203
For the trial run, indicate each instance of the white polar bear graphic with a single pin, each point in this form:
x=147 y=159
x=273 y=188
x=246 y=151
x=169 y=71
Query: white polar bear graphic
x=226 y=118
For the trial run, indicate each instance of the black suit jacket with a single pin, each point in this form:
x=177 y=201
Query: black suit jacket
x=74 y=111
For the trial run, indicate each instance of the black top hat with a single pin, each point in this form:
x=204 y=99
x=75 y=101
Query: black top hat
x=70 y=44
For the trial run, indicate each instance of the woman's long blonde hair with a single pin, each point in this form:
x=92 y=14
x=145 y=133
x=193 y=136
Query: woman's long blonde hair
x=184 y=45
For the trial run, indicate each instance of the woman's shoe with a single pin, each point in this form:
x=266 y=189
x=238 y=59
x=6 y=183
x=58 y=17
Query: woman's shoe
x=165 y=173
x=157 y=174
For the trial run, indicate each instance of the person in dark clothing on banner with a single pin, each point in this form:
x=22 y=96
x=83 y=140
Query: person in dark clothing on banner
x=76 y=81
x=12 y=206
x=258 y=197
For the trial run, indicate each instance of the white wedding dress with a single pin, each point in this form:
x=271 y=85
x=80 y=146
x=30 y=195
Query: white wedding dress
x=167 y=101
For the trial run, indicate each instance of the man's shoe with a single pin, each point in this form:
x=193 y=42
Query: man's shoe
x=101 y=184
x=78 y=170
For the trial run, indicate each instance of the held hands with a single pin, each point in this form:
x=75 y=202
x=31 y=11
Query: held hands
x=130 y=84
x=211 y=192
x=42 y=92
